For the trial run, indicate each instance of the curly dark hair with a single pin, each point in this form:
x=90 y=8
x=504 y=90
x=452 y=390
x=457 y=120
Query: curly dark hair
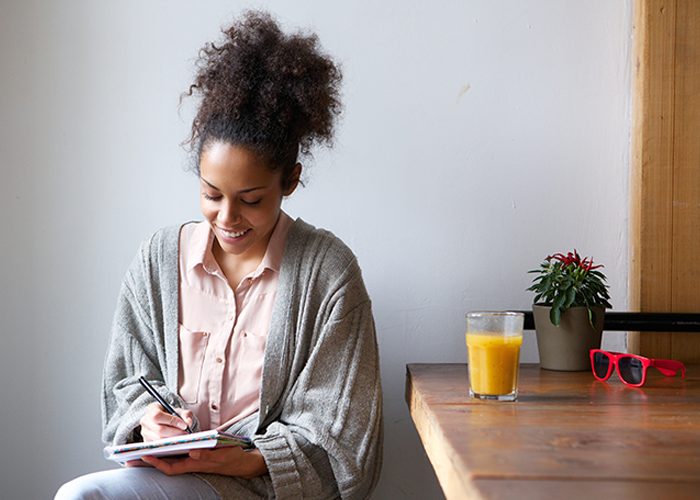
x=274 y=93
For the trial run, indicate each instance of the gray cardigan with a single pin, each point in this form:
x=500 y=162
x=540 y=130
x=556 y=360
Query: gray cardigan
x=319 y=427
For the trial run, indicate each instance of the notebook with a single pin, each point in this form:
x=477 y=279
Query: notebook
x=177 y=445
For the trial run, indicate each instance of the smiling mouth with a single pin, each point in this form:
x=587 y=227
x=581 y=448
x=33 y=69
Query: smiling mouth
x=233 y=234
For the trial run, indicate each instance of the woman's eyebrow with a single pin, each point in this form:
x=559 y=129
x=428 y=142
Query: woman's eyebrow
x=208 y=183
x=241 y=191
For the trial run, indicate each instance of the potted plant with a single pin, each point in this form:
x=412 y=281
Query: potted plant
x=569 y=305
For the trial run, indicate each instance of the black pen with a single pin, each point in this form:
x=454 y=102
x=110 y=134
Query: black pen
x=162 y=401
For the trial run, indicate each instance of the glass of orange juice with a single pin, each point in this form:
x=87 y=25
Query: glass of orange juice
x=493 y=342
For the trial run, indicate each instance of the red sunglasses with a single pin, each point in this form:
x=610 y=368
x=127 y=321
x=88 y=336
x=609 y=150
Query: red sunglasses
x=631 y=368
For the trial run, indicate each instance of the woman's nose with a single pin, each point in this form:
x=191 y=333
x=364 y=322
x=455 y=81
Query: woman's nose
x=230 y=214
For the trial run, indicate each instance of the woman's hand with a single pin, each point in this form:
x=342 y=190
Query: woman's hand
x=157 y=423
x=230 y=461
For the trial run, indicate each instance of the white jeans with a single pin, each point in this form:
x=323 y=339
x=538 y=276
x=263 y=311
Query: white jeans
x=141 y=483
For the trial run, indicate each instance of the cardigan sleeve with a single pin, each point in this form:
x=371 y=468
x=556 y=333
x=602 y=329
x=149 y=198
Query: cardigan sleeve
x=134 y=350
x=327 y=440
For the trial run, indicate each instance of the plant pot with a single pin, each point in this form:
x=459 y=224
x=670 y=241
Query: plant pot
x=565 y=347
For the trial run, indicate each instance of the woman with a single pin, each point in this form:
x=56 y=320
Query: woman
x=249 y=321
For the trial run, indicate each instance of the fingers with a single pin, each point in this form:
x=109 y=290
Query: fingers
x=136 y=463
x=197 y=461
x=159 y=432
x=158 y=424
x=218 y=456
x=186 y=415
x=171 y=421
x=159 y=416
x=232 y=461
x=173 y=467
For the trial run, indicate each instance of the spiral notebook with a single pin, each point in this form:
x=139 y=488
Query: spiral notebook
x=177 y=445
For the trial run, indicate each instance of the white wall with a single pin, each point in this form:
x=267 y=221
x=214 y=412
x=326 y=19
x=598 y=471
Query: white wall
x=478 y=137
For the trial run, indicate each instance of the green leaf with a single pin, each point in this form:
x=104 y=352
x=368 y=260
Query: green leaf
x=559 y=301
x=592 y=317
x=555 y=315
x=570 y=296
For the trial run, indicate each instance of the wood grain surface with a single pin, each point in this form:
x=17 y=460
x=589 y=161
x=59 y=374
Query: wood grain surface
x=651 y=193
x=665 y=173
x=686 y=175
x=567 y=436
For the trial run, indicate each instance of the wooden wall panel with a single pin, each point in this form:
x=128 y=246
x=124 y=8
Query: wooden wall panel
x=665 y=185
x=651 y=215
x=686 y=175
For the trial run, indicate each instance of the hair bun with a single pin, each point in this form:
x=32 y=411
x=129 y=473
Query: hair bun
x=262 y=88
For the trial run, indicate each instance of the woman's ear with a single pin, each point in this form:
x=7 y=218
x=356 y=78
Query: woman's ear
x=291 y=182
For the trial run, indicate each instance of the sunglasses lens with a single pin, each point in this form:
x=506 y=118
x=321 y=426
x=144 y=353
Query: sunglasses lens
x=631 y=370
x=601 y=364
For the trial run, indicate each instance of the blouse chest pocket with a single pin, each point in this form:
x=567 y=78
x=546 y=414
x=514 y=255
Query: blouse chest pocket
x=251 y=355
x=193 y=347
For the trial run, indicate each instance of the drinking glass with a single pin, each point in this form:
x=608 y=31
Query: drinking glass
x=493 y=342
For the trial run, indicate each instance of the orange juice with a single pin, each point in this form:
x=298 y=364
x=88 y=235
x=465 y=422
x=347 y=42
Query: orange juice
x=493 y=363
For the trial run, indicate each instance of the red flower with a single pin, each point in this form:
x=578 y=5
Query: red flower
x=566 y=281
x=574 y=258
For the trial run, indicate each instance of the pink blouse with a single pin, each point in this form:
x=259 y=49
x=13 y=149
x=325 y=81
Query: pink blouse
x=222 y=331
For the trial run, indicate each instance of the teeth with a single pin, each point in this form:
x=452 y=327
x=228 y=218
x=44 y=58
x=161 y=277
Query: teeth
x=233 y=235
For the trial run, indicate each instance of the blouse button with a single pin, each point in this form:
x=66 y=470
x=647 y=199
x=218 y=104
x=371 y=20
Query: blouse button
x=219 y=360
x=214 y=406
x=205 y=334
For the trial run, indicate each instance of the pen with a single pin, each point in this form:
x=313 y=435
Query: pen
x=162 y=401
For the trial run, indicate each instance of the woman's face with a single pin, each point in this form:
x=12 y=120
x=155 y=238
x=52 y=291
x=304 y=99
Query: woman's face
x=241 y=198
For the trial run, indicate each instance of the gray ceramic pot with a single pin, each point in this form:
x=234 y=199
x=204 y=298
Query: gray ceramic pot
x=565 y=347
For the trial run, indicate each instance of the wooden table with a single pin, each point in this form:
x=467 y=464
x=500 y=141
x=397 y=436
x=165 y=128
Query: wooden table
x=568 y=436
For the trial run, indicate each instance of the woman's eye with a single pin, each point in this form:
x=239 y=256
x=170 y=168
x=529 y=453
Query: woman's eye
x=209 y=197
x=252 y=202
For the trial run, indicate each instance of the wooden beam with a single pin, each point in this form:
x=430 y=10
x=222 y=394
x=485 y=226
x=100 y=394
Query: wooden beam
x=686 y=174
x=651 y=214
x=665 y=171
